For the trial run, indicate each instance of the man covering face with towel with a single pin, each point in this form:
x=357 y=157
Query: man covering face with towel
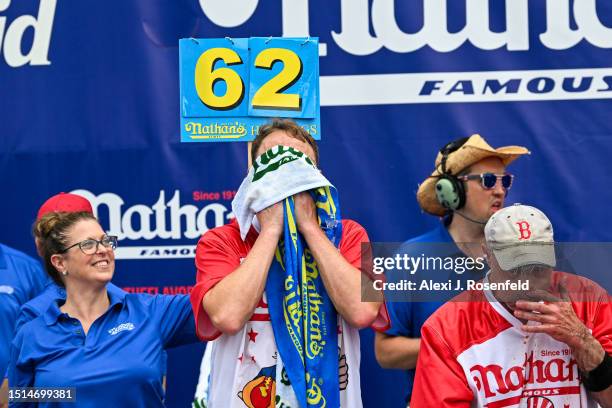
x=280 y=286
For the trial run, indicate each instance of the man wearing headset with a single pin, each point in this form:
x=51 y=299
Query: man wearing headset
x=469 y=184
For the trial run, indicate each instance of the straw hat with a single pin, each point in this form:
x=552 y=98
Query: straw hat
x=472 y=151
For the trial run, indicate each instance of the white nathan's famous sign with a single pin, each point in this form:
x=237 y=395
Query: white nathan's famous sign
x=356 y=38
x=368 y=26
x=164 y=219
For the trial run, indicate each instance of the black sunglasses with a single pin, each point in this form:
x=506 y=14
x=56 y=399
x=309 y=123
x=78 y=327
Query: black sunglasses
x=489 y=180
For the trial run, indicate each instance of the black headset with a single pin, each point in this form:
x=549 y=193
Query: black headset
x=450 y=191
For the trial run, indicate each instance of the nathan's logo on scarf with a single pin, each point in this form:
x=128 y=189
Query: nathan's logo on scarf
x=316 y=323
x=294 y=310
x=314 y=394
x=275 y=157
x=302 y=314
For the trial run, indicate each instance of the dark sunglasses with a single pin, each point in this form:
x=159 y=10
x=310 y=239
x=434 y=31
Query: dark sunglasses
x=489 y=180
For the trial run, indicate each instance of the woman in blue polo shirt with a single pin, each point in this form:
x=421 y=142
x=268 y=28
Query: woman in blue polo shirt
x=107 y=345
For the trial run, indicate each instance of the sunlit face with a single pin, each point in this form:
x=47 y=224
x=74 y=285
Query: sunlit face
x=280 y=137
x=96 y=268
x=481 y=203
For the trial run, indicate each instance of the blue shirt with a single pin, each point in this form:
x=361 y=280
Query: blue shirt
x=117 y=364
x=40 y=304
x=54 y=293
x=21 y=279
x=407 y=317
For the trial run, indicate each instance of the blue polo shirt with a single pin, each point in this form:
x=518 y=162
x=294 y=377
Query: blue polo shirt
x=40 y=304
x=407 y=318
x=118 y=362
x=54 y=293
x=21 y=279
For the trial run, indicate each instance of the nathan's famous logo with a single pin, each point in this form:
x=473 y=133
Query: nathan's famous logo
x=166 y=219
x=314 y=316
x=11 y=40
x=530 y=372
x=260 y=392
x=314 y=395
x=234 y=130
x=369 y=26
x=293 y=313
x=277 y=156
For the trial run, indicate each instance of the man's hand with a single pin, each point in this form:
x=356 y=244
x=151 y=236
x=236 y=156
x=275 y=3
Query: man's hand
x=343 y=375
x=559 y=321
x=271 y=219
x=341 y=279
x=556 y=318
x=231 y=302
x=305 y=212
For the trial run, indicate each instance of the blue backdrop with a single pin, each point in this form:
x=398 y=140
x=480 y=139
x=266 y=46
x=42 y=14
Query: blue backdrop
x=89 y=101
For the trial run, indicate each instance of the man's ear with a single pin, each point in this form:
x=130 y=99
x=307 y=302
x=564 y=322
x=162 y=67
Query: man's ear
x=485 y=250
x=59 y=262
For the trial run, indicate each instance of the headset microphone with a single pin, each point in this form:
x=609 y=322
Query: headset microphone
x=470 y=219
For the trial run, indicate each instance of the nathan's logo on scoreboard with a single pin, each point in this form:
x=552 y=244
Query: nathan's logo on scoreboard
x=12 y=33
x=173 y=227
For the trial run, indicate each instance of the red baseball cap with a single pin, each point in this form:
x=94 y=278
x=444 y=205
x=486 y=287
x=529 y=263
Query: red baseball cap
x=65 y=202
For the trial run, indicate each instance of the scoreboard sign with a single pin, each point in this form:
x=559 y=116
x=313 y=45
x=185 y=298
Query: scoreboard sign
x=231 y=86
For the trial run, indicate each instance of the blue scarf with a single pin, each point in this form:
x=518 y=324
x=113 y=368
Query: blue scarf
x=303 y=317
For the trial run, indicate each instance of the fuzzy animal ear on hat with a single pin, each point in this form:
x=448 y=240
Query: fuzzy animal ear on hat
x=455 y=157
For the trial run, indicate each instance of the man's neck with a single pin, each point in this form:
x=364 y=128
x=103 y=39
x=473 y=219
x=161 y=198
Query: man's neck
x=466 y=231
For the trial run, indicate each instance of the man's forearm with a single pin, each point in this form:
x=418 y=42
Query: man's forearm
x=231 y=302
x=396 y=351
x=4 y=394
x=604 y=398
x=341 y=279
x=589 y=355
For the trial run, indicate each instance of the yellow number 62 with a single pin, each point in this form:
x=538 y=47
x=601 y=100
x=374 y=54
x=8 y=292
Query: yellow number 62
x=269 y=96
x=206 y=77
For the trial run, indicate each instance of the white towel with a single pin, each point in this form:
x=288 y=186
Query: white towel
x=277 y=174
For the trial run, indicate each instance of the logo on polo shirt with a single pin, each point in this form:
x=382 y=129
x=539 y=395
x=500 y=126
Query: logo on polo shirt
x=9 y=290
x=120 y=328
